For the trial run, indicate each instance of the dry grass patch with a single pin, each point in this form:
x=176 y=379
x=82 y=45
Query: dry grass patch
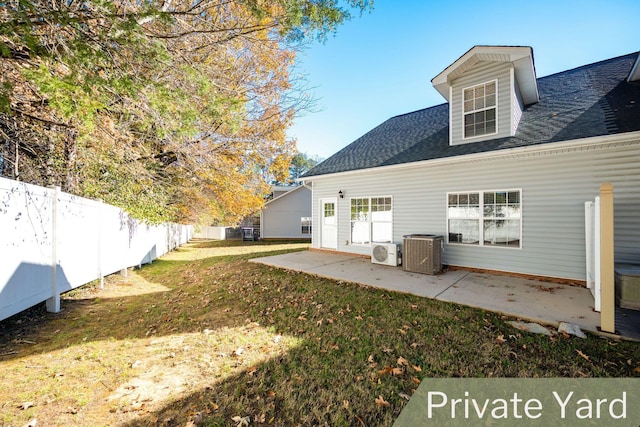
x=203 y=335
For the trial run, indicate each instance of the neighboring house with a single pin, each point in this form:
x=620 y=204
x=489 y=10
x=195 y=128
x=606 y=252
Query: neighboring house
x=287 y=215
x=279 y=190
x=502 y=170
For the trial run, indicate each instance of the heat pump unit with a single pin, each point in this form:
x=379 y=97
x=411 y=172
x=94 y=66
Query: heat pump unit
x=385 y=253
x=422 y=253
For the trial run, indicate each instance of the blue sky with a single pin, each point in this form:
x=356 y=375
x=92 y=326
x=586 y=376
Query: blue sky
x=381 y=64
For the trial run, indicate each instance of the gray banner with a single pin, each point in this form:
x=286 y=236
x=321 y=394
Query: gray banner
x=523 y=402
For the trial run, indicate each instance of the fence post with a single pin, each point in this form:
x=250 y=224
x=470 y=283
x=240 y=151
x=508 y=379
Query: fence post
x=53 y=303
x=607 y=269
x=100 y=270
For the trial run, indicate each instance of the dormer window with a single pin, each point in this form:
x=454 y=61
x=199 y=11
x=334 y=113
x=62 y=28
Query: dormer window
x=480 y=109
x=488 y=89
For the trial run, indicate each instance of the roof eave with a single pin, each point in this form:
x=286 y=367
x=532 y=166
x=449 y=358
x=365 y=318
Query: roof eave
x=520 y=56
x=537 y=149
x=293 y=190
x=634 y=74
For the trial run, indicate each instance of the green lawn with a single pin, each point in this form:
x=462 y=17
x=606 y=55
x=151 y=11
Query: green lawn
x=204 y=335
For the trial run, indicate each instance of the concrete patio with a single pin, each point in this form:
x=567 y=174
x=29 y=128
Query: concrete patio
x=533 y=300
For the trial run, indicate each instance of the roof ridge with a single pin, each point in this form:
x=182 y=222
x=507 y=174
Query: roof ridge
x=593 y=64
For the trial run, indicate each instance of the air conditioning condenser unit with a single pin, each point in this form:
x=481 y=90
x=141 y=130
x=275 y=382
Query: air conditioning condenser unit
x=386 y=254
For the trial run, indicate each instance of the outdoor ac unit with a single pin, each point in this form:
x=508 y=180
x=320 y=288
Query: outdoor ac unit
x=385 y=253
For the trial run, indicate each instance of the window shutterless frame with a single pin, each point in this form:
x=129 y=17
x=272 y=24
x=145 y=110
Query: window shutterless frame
x=305 y=225
x=488 y=218
x=370 y=220
x=480 y=110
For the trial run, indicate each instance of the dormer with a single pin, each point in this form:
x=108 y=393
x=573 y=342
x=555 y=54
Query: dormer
x=487 y=89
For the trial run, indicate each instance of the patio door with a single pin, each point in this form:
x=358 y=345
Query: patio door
x=329 y=223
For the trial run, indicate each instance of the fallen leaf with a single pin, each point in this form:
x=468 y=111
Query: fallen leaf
x=415 y=380
x=416 y=368
x=402 y=331
x=396 y=372
x=414 y=345
x=386 y=370
x=345 y=404
x=584 y=356
x=404 y=396
x=381 y=402
x=402 y=361
x=500 y=339
x=370 y=359
x=137 y=406
x=242 y=421
x=261 y=418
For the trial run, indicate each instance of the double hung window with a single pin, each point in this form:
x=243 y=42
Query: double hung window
x=485 y=218
x=371 y=220
x=480 y=110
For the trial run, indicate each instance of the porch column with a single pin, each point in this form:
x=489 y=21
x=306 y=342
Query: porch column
x=607 y=271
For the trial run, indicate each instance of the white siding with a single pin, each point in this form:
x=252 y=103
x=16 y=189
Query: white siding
x=554 y=189
x=281 y=217
x=481 y=73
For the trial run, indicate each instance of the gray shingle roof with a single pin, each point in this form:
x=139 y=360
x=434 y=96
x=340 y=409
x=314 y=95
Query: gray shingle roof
x=592 y=100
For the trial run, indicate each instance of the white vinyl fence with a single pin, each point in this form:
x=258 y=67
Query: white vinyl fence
x=52 y=242
x=209 y=232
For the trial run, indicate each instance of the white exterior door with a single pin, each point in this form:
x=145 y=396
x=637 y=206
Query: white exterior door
x=329 y=223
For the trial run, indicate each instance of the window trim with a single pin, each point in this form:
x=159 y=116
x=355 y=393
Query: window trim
x=306 y=221
x=464 y=114
x=482 y=218
x=370 y=221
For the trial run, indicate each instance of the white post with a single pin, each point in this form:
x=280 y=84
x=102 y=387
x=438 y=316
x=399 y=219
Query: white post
x=53 y=303
x=100 y=275
x=597 y=256
x=588 y=240
x=607 y=269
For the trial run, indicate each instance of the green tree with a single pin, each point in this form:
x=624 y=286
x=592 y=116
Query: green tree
x=300 y=164
x=169 y=109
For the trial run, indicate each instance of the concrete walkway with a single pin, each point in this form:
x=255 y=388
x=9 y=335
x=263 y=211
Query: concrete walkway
x=532 y=300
